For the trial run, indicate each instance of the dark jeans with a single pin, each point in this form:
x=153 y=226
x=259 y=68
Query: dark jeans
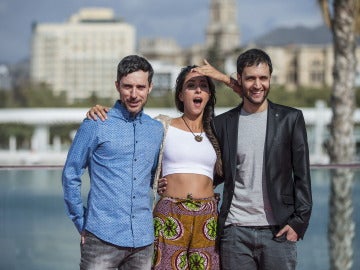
x=249 y=248
x=99 y=255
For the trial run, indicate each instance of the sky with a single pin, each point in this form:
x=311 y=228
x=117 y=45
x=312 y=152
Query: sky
x=183 y=20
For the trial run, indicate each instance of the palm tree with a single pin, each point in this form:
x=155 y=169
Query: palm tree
x=343 y=18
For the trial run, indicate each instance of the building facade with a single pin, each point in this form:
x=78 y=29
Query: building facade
x=223 y=31
x=295 y=66
x=222 y=35
x=80 y=57
x=5 y=78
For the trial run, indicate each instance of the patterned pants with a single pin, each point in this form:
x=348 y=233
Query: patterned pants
x=185 y=232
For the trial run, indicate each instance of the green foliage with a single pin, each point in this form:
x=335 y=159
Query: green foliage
x=167 y=100
x=301 y=97
x=6 y=100
x=91 y=101
x=22 y=133
x=30 y=95
x=63 y=132
x=226 y=97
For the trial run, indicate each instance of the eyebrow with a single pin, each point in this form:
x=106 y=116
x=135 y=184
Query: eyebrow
x=203 y=79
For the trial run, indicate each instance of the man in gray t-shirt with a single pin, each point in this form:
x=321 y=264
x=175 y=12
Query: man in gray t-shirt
x=267 y=197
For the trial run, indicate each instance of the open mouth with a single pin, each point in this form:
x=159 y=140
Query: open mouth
x=198 y=100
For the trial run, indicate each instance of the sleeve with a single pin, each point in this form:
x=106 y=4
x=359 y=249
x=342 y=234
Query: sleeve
x=301 y=171
x=218 y=179
x=77 y=161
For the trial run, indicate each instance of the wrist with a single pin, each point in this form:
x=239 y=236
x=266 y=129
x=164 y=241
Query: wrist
x=230 y=82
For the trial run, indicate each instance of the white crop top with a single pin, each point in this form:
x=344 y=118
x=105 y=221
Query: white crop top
x=182 y=154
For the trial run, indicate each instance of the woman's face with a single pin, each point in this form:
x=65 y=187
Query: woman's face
x=195 y=93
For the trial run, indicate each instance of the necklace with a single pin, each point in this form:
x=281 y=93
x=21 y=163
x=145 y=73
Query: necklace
x=197 y=138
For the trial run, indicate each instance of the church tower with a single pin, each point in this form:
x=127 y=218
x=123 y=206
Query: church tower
x=223 y=33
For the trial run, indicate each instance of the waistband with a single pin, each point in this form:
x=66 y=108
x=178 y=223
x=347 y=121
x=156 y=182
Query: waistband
x=189 y=199
x=265 y=227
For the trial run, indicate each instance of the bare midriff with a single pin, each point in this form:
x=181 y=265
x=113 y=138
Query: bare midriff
x=181 y=185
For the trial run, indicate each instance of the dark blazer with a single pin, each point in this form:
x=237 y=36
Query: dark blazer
x=286 y=165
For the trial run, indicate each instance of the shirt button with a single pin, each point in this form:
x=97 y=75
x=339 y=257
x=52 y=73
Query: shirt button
x=134 y=159
x=134 y=178
x=133 y=197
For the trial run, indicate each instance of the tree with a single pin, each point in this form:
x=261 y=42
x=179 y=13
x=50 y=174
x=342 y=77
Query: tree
x=343 y=18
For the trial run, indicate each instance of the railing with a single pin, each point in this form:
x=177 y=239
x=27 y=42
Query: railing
x=35 y=232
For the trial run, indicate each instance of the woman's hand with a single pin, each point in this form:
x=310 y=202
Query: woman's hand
x=210 y=71
x=97 y=111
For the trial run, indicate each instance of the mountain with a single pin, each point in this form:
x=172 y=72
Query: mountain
x=295 y=35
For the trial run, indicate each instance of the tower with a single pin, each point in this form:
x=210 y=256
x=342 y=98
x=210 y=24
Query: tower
x=223 y=33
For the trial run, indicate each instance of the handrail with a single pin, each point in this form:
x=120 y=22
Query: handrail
x=312 y=166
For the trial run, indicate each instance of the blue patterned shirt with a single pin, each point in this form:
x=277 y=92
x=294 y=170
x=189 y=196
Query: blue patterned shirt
x=121 y=155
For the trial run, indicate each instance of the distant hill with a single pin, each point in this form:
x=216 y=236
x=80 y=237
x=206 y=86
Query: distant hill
x=295 y=35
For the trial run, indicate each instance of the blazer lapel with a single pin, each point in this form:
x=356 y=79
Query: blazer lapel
x=232 y=126
x=271 y=128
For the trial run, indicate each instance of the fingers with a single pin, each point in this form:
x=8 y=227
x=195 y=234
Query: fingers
x=217 y=196
x=206 y=62
x=83 y=238
x=101 y=112
x=281 y=232
x=89 y=117
x=291 y=235
x=162 y=183
x=96 y=112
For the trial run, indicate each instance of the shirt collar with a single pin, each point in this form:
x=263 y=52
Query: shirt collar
x=124 y=113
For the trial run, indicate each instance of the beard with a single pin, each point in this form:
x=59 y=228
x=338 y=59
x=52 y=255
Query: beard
x=256 y=102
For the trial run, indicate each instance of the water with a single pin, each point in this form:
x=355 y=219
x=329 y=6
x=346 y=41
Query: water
x=36 y=234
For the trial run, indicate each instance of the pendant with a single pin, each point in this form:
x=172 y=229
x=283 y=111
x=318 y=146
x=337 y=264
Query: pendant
x=198 y=138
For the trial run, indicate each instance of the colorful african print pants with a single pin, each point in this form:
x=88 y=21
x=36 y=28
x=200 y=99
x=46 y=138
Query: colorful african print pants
x=185 y=232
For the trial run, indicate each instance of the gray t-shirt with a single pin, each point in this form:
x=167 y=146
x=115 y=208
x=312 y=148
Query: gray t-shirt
x=250 y=205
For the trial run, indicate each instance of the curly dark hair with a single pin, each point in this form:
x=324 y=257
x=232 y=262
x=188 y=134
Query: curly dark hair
x=208 y=112
x=133 y=63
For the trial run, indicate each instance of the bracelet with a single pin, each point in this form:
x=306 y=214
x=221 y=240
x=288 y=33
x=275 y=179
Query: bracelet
x=232 y=82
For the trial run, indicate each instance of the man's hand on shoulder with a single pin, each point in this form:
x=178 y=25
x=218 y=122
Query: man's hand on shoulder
x=97 y=111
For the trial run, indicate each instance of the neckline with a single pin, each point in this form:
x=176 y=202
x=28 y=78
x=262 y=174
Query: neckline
x=183 y=130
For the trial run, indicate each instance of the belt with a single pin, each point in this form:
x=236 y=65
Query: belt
x=265 y=227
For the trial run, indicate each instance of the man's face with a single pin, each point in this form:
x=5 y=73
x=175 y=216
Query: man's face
x=134 y=90
x=255 y=82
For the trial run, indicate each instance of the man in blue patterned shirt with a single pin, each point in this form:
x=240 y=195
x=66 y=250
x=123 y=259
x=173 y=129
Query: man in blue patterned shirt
x=121 y=156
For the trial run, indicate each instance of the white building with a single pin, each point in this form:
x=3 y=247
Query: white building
x=5 y=78
x=80 y=57
x=223 y=32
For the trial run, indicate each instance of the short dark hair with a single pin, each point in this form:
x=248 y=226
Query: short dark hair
x=132 y=63
x=253 y=57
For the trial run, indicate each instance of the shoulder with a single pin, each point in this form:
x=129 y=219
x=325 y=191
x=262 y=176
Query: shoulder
x=90 y=124
x=151 y=121
x=284 y=108
x=286 y=113
x=230 y=113
x=164 y=120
